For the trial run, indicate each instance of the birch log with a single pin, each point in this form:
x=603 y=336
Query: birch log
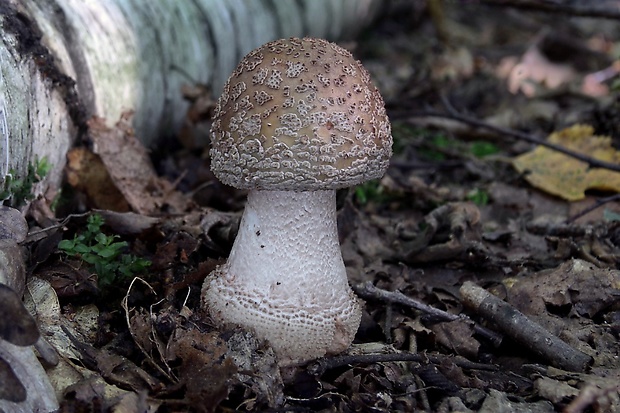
x=62 y=61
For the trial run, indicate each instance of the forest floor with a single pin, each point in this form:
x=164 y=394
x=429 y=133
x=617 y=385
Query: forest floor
x=488 y=262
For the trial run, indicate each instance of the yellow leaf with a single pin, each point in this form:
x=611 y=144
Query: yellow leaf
x=567 y=177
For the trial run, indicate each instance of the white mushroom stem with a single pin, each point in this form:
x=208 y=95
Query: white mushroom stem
x=285 y=278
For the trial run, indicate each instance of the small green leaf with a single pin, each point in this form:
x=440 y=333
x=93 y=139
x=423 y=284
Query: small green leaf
x=108 y=252
x=103 y=253
x=82 y=249
x=102 y=238
x=67 y=244
x=478 y=197
x=90 y=258
x=480 y=149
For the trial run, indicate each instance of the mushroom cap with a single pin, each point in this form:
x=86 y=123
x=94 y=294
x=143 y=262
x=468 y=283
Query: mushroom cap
x=299 y=114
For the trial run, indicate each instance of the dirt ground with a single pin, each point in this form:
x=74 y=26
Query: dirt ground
x=487 y=260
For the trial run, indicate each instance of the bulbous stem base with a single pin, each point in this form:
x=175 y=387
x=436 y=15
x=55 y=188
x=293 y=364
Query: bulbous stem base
x=285 y=279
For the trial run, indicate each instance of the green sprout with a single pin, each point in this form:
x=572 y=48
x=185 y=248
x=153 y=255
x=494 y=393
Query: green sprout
x=478 y=197
x=438 y=143
x=103 y=253
x=480 y=149
x=16 y=192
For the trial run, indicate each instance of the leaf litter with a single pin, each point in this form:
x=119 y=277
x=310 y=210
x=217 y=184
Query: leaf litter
x=451 y=218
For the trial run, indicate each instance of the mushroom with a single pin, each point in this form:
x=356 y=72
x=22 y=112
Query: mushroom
x=297 y=119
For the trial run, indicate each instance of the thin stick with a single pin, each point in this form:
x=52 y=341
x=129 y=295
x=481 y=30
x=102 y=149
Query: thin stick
x=597 y=204
x=320 y=366
x=556 y=8
x=455 y=115
x=369 y=290
x=522 y=329
x=55 y=226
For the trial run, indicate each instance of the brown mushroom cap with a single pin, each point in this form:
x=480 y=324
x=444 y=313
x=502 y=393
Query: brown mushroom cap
x=299 y=114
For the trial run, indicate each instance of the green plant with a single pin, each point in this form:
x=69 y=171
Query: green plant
x=478 y=197
x=437 y=144
x=370 y=191
x=16 y=192
x=480 y=149
x=104 y=253
x=403 y=134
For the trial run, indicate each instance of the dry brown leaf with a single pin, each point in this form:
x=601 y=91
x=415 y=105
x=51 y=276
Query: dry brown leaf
x=87 y=173
x=576 y=284
x=130 y=168
x=127 y=223
x=205 y=371
x=567 y=177
x=69 y=279
x=136 y=403
x=454 y=63
x=554 y=390
x=458 y=336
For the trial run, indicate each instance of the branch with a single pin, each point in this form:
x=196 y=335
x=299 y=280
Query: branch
x=523 y=330
x=320 y=366
x=557 y=8
x=369 y=290
x=452 y=113
x=599 y=202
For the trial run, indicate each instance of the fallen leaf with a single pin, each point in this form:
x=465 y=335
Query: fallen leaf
x=205 y=370
x=128 y=223
x=576 y=284
x=458 y=336
x=554 y=390
x=130 y=168
x=115 y=369
x=567 y=177
x=453 y=64
x=136 y=403
x=70 y=280
x=87 y=173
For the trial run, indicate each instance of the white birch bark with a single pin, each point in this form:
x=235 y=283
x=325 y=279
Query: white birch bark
x=132 y=54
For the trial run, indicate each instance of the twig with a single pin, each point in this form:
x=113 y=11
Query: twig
x=61 y=224
x=554 y=7
x=387 y=326
x=320 y=366
x=452 y=113
x=524 y=330
x=369 y=290
x=597 y=204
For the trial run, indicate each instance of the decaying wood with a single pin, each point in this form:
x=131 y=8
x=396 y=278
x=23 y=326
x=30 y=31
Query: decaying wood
x=522 y=329
x=64 y=61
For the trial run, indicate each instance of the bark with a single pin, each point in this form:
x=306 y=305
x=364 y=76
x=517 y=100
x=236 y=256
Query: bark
x=62 y=61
